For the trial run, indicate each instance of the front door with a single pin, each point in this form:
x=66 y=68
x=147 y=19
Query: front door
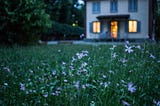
x=114 y=29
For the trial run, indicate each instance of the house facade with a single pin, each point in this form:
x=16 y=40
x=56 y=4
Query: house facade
x=119 y=19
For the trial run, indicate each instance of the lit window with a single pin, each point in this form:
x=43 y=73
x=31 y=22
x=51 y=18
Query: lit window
x=96 y=27
x=132 y=26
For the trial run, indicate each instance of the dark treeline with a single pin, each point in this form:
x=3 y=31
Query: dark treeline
x=26 y=21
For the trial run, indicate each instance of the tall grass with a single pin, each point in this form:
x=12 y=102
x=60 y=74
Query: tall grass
x=80 y=75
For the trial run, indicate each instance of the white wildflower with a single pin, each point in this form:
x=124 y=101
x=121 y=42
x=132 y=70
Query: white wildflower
x=114 y=55
x=113 y=47
x=5 y=84
x=92 y=103
x=152 y=56
x=104 y=76
x=111 y=72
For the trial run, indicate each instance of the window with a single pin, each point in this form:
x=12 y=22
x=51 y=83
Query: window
x=132 y=26
x=95 y=27
x=114 y=6
x=132 y=5
x=96 y=7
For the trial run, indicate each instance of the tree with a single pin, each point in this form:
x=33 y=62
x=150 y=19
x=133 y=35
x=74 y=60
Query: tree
x=157 y=15
x=22 y=20
x=65 y=11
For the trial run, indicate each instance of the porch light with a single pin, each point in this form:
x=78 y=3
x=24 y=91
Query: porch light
x=96 y=27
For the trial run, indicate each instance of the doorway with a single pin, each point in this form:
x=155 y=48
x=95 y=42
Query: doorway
x=114 y=29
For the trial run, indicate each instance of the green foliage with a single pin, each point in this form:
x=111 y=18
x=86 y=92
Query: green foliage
x=22 y=20
x=65 y=11
x=63 y=31
x=80 y=75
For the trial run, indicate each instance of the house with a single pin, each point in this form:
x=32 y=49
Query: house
x=119 y=19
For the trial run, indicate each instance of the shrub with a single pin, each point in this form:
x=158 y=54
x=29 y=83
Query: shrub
x=62 y=31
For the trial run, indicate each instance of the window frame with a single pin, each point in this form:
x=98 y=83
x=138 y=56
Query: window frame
x=138 y=30
x=113 y=6
x=96 y=7
x=132 y=5
x=94 y=25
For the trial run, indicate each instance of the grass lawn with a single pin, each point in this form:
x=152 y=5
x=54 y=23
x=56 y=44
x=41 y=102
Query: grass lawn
x=80 y=75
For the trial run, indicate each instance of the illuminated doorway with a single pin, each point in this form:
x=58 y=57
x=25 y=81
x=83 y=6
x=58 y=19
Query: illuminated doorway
x=114 y=29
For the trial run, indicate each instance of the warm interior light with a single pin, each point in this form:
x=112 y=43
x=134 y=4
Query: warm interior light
x=96 y=27
x=114 y=29
x=132 y=26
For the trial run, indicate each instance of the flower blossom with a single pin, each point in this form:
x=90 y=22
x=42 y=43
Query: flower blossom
x=138 y=47
x=131 y=87
x=5 y=84
x=114 y=46
x=128 y=49
x=114 y=55
x=22 y=87
x=152 y=56
x=125 y=103
x=77 y=84
x=157 y=103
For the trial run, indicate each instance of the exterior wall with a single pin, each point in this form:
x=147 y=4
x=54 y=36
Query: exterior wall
x=141 y=15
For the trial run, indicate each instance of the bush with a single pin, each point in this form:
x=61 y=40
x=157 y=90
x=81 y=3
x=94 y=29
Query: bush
x=63 y=31
x=22 y=21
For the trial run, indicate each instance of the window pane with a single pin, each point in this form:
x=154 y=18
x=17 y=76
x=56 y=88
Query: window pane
x=96 y=27
x=96 y=7
x=132 y=26
x=114 y=6
x=133 y=4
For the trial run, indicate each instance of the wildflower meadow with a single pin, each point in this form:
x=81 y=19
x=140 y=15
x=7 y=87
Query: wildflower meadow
x=80 y=75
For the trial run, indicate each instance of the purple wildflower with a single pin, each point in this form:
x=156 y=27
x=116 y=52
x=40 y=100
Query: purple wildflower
x=45 y=95
x=123 y=60
x=131 y=87
x=77 y=84
x=22 y=87
x=138 y=47
x=7 y=69
x=127 y=42
x=125 y=103
x=128 y=49
x=157 y=103
x=84 y=86
x=63 y=63
x=65 y=80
